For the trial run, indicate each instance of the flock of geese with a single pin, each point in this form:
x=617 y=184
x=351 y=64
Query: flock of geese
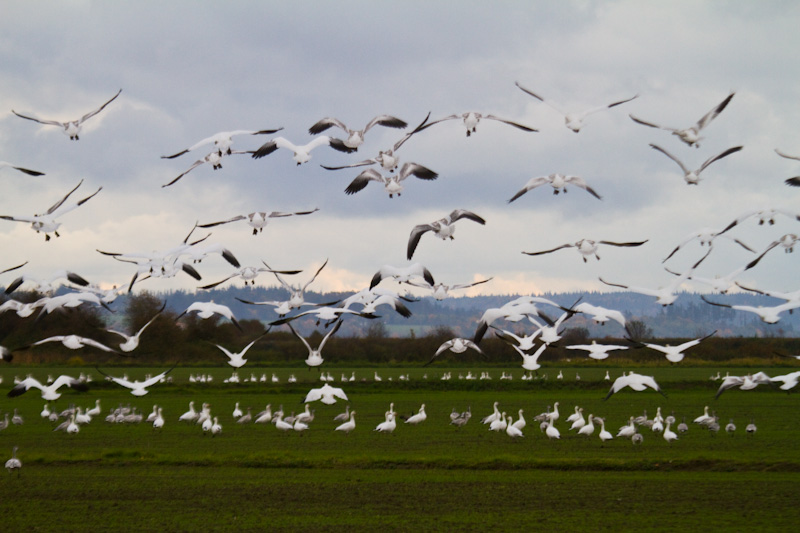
x=539 y=322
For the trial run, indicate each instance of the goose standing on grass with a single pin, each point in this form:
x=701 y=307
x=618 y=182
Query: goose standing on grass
x=73 y=342
x=418 y=418
x=730 y=428
x=789 y=380
x=587 y=248
x=692 y=177
x=348 y=426
x=388 y=425
x=627 y=430
x=190 y=415
x=444 y=228
x=574 y=121
x=551 y=431
x=258 y=220
x=14 y=463
x=138 y=388
x=588 y=428
x=4 y=164
x=47 y=222
x=302 y=154
x=393 y=184
x=691 y=135
x=500 y=424
x=49 y=392
x=559 y=184
x=73 y=127
x=355 y=138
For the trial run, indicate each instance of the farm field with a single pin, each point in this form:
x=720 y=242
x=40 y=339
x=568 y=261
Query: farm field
x=430 y=477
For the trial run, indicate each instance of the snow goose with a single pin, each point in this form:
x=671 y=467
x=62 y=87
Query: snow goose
x=600 y=315
x=138 y=388
x=302 y=154
x=47 y=222
x=158 y=422
x=222 y=141
x=764 y=216
x=206 y=310
x=746 y=382
x=692 y=177
x=787 y=242
x=524 y=342
x=550 y=333
x=789 y=380
x=769 y=315
x=636 y=382
x=355 y=138
x=730 y=428
x=402 y=274
x=456 y=345
x=627 y=430
x=216 y=427
x=513 y=431
x=665 y=295
x=314 y=357
x=132 y=341
x=500 y=424
x=674 y=354
x=371 y=299
x=751 y=427
x=71 y=128
x=669 y=435
x=579 y=421
x=596 y=350
x=49 y=392
x=573 y=121
x=588 y=428
x=388 y=426
x=520 y=422
x=342 y=417
x=683 y=427
x=691 y=135
x=326 y=394
x=214 y=158
x=258 y=220
x=14 y=463
x=551 y=431
x=440 y=291
x=74 y=342
x=418 y=418
x=471 y=119
x=392 y=184
x=297 y=292
x=248 y=274
x=444 y=228
x=4 y=164
x=587 y=247
x=495 y=415
x=46 y=285
x=513 y=311
x=604 y=434
x=245 y=418
x=348 y=426
x=706 y=237
x=559 y=184
x=237 y=360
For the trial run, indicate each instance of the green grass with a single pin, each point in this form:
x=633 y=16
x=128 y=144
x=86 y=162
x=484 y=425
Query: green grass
x=430 y=477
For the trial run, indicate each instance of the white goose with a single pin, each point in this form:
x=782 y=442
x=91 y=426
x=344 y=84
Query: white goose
x=348 y=426
x=636 y=382
x=456 y=345
x=402 y=274
x=258 y=220
x=73 y=127
x=692 y=177
x=138 y=388
x=393 y=184
x=355 y=138
x=132 y=341
x=691 y=135
x=674 y=354
x=206 y=310
x=49 y=392
x=559 y=184
x=74 y=342
x=302 y=154
x=388 y=426
x=768 y=315
x=444 y=228
x=442 y=291
x=418 y=418
x=326 y=394
x=587 y=247
x=471 y=119
x=574 y=121
x=14 y=463
x=48 y=223
x=237 y=360
x=314 y=357
x=513 y=431
x=222 y=141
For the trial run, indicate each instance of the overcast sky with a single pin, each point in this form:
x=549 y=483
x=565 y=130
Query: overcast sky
x=190 y=69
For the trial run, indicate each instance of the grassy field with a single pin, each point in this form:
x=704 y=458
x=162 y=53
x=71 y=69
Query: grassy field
x=430 y=477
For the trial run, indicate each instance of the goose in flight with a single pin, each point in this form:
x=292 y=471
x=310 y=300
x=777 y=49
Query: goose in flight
x=574 y=121
x=674 y=354
x=768 y=315
x=746 y=382
x=326 y=394
x=249 y=275
x=513 y=311
x=636 y=382
x=237 y=360
x=559 y=183
x=314 y=357
x=73 y=342
x=47 y=222
x=718 y=283
x=402 y=274
x=471 y=119
x=258 y=221
x=222 y=142
x=706 y=237
x=444 y=228
x=208 y=309
x=587 y=247
x=392 y=184
x=600 y=315
x=665 y=295
x=73 y=127
x=442 y=291
x=387 y=159
x=789 y=380
x=50 y=391
x=691 y=135
x=692 y=177
x=45 y=285
x=765 y=216
x=323 y=314
x=786 y=242
x=370 y=299
x=297 y=292
x=596 y=350
x=355 y=138
x=4 y=164
x=302 y=154
x=456 y=345
x=138 y=388
x=214 y=158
